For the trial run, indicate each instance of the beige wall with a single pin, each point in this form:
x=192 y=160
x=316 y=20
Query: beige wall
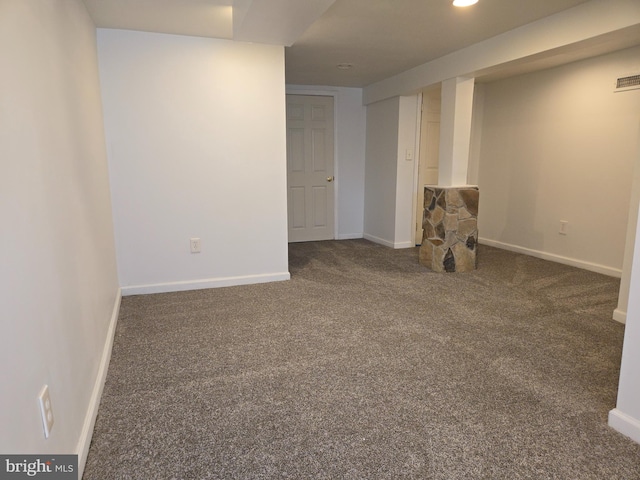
x=381 y=171
x=196 y=134
x=561 y=145
x=58 y=278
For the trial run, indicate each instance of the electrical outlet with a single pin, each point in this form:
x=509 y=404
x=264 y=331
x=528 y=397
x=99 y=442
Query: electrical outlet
x=46 y=410
x=195 y=245
x=564 y=227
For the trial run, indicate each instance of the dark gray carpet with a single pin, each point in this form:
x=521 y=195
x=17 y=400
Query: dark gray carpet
x=367 y=365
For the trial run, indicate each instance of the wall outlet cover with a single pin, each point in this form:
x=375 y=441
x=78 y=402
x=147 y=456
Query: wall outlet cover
x=46 y=410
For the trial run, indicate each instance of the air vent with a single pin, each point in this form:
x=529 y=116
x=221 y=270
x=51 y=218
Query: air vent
x=629 y=82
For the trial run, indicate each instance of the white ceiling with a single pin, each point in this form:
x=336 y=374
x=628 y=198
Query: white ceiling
x=380 y=38
x=385 y=37
x=277 y=22
x=202 y=18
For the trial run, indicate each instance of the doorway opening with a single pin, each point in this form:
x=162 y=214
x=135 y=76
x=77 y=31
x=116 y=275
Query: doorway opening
x=310 y=168
x=429 y=151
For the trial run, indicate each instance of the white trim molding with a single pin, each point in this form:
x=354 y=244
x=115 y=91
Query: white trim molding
x=620 y=316
x=409 y=244
x=593 y=267
x=381 y=241
x=349 y=236
x=387 y=243
x=204 y=283
x=82 y=448
x=626 y=425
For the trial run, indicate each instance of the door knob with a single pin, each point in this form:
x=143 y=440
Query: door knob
x=330 y=179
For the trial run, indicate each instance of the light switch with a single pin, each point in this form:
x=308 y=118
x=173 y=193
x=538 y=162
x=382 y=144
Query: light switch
x=408 y=154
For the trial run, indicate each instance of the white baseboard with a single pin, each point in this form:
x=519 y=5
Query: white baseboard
x=388 y=243
x=626 y=425
x=404 y=245
x=92 y=412
x=349 y=236
x=378 y=240
x=593 y=267
x=620 y=316
x=204 y=283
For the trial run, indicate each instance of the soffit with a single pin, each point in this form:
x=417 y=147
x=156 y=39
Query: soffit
x=382 y=38
x=278 y=22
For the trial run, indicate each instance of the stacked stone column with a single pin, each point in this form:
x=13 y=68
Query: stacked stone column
x=450 y=223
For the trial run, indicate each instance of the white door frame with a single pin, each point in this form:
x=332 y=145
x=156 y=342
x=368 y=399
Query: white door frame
x=301 y=90
x=416 y=164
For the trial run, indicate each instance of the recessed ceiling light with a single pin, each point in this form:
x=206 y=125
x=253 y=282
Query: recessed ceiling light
x=344 y=66
x=464 y=3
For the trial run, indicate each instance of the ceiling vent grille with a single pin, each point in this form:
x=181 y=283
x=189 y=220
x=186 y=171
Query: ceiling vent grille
x=629 y=82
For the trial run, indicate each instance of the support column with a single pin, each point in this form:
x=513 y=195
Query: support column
x=625 y=418
x=455 y=131
x=450 y=210
x=450 y=225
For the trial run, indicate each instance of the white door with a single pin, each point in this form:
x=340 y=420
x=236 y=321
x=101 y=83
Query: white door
x=310 y=186
x=429 y=151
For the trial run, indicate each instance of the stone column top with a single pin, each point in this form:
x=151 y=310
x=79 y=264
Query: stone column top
x=450 y=224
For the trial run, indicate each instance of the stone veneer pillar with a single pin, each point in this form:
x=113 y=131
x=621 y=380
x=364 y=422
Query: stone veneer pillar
x=450 y=223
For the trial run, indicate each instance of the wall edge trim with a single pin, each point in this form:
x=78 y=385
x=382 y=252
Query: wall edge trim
x=408 y=244
x=573 y=262
x=348 y=236
x=82 y=448
x=381 y=241
x=624 y=424
x=620 y=316
x=205 y=283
